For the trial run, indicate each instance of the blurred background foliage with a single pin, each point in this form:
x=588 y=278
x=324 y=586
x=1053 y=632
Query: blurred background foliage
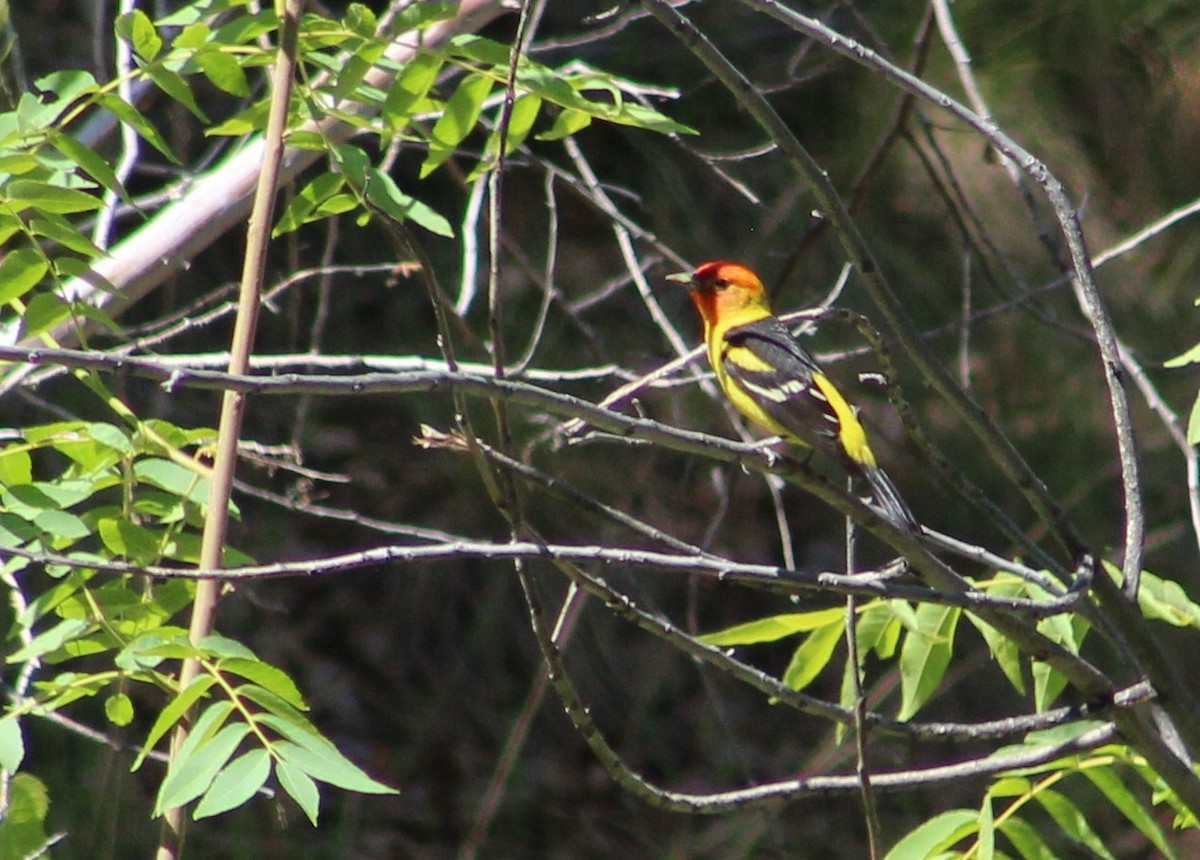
x=419 y=672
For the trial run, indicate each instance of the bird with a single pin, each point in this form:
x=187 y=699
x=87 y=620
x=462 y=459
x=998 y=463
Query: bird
x=773 y=380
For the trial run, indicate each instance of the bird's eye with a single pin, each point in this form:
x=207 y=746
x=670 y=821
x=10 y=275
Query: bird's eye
x=720 y=283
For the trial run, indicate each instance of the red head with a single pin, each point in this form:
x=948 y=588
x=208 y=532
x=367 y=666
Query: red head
x=726 y=292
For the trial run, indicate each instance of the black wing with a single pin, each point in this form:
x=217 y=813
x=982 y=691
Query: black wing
x=782 y=381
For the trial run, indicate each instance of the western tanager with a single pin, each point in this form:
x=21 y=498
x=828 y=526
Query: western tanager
x=774 y=382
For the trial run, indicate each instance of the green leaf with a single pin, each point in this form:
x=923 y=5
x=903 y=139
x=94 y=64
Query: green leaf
x=813 y=654
x=353 y=70
x=199 y=9
x=241 y=29
x=20 y=271
x=172 y=477
x=217 y=645
x=236 y=784
x=253 y=118
x=481 y=50
x=224 y=71
x=925 y=656
x=175 y=711
x=23 y=832
x=457 y=120
x=193 y=37
x=878 y=630
x=300 y=208
x=987 y=831
x=1072 y=821
x=16 y=466
x=410 y=89
x=62 y=525
x=110 y=436
x=119 y=709
x=47 y=197
x=524 y=113
x=1193 y=428
x=774 y=627
x=67 y=86
x=45 y=311
x=129 y=540
x=136 y=29
x=12 y=744
x=280 y=715
x=383 y=191
x=91 y=162
x=566 y=124
x=1192 y=356
x=59 y=229
x=177 y=87
x=1026 y=840
x=1048 y=683
x=266 y=676
x=133 y=118
x=1165 y=600
x=936 y=834
x=418 y=16
x=301 y=788
x=323 y=762
x=1006 y=654
x=360 y=20
x=1119 y=795
x=192 y=771
x=50 y=640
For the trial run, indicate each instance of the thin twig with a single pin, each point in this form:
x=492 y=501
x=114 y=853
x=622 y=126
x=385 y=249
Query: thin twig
x=213 y=537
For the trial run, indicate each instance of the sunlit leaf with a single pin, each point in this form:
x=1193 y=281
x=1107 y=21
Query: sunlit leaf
x=267 y=676
x=1119 y=795
x=91 y=161
x=924 y=657
x=50 y=640
x=1072 y=821
x=566 y=124
x=136 y=28
x=177 y=87
x=59 y=229
x=172 y=477
x=20 y=271
x=814 y=653
x=119 y=709
x=460 y=116
x=192 y=771
x=175 y=711
x=936 y=834
x=47 y=197
x=235 y=784
x=12 y=744
x=302 y=789
x=409 y=89
x=1025 y=838
x=224 y=71
x=323 y=762
x=133 y=118
x=301 y=208
x=774 y=627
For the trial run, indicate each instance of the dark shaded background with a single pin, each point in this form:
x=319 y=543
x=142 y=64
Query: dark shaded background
x=419 y=672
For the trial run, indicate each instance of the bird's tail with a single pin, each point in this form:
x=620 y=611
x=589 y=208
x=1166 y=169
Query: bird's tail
x=888 y=498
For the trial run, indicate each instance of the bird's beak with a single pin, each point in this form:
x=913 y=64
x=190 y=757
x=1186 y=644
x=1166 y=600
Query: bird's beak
x=684 y=278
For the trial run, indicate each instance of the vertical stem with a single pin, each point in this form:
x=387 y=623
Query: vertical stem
x=870 y=810
x=233 y=405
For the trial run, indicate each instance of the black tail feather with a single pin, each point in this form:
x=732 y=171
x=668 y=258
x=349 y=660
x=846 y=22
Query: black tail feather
x=888 y=498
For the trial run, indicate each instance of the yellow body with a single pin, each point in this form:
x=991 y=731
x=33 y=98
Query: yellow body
x=768 y=375
x=742 y=301
x=850 y=430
